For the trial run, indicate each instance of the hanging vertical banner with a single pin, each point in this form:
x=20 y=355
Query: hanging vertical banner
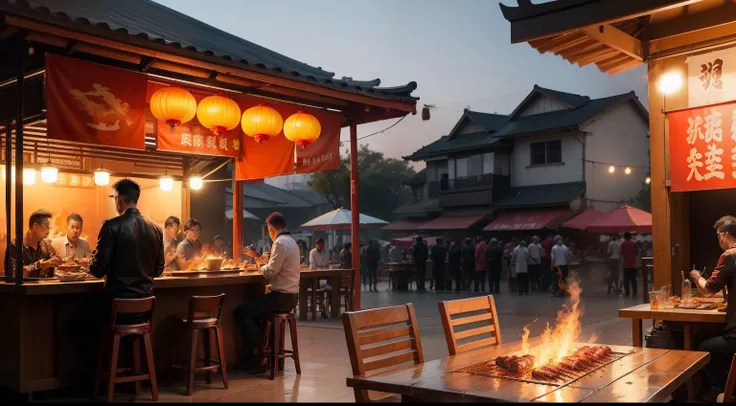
x=323 y=154
x=703 y=148
x=711 y=77
x=94 y=104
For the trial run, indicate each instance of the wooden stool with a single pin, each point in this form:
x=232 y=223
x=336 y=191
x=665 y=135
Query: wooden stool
x=274 y=335
x=112 y=336
x=204 y=314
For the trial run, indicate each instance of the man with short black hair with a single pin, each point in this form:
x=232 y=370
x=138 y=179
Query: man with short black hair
x=282 y=270
x=72 y=244
x=188 y=251
x=721 y=348
x=39 y=257
x=171 y=240
x=318 y=256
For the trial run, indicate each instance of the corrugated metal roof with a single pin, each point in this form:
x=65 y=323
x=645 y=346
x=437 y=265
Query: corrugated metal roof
x=147 y=20
x=541 y=195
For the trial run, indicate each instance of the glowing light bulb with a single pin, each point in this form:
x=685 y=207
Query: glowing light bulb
x=29 y=176
x=166 y=183
x=611 y=169
x=648 y=180
x=49 y=174
x=102 y=177
x=195 y=183
x=670 y=82
x=627 y=171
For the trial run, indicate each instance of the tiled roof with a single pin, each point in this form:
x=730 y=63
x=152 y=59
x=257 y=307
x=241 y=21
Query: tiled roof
x=263 y=195
x=419 y=178
x=561 y=119
x=461 y=143
x=542 y=195
x=572 y=99
x=420 y=209
x=491 y=122
x=145 y=20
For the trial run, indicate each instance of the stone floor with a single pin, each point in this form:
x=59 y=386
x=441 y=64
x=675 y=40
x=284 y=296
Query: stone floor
x=324 y=358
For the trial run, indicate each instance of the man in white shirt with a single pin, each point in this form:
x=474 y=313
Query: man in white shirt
x=614 y=264
x=535 y=264
x=560 y=255
x=282 y=271
x=72 y=243
x=318 y=256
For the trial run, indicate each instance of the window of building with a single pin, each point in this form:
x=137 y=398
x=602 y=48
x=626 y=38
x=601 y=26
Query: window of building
x=475 y=163
x=543 y=153
x=488 y=163
x=461 y=168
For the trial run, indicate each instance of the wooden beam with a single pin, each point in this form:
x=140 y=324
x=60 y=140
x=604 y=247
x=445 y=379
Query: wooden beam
x=701 y=40
x=632 y=63
x=606 y=64
x=596 y=56
x=185 y=57
x=689 y=22
x=616 y=39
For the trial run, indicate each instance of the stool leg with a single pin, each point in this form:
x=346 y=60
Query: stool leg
x=192 y=362
x=172 y=358
x=137 y=362
x=275 y=347
x=294 y=345
x=113 y=366
x=314 y=300
x=207 y=355
x=262 y=357
x=151 y=366
x=100 y=366
x=282 y=340
x=221 y=354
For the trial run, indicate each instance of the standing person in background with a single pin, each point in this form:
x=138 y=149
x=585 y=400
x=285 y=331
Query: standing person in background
x=521 y=261
x=420 y=253
x=394 y=254
x=495 y=266
x=455 y=259
x=508 y=262
x=560 y=257
x=613 y=251
x=629 y=254
x=364 y=266
x=481 y=264
x=536 y=253
x=346 y=256
x=468 y=263
x=439 y=253
x=372 y=259
x=547 y=275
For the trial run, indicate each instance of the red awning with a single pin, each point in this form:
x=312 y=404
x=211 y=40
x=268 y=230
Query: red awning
x=526 y=220
x=452 y=222
x=407 y=242
x=584 y=219
x=621 y=220
x=405 y=225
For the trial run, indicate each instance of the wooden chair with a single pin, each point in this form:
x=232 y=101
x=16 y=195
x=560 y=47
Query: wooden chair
x=462 y=307
x=112 y=336
x=346 y=292
x=316 y=299
x=379 y=340
x=273 y=349
x=203 y=314
x=730 y=385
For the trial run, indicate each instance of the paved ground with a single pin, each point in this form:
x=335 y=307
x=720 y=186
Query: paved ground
x=325 y=362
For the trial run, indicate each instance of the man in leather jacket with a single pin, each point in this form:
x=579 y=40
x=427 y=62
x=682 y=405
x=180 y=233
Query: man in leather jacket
x=130 y=249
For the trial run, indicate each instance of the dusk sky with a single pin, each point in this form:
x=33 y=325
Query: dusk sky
x=459 y=53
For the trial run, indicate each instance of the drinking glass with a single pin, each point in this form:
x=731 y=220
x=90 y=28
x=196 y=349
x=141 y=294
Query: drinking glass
x=654 y=296
x=666 y=293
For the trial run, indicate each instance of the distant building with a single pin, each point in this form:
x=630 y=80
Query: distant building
x=531 y=169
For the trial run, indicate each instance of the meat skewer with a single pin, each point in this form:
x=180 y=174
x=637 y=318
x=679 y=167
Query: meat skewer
x=545 y=374
x=559 y=371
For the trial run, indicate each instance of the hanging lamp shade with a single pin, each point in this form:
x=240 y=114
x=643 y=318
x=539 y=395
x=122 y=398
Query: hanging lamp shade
x=218 y=113
x=173 y=105
x=302 y=128
x=261 y=122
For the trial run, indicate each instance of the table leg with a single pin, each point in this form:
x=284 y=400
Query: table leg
x=688 y=345
x=636 y=337
x=335 y=296
x=303 y=299
x=314 y=283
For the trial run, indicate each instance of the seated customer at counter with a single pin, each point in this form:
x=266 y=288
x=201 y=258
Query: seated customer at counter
x=72 y=244
x=171 y=240
x=39 y=257
x=721 y=348
x=218 y=245
x=190 y=249
x=282 y=271
x=318 y=257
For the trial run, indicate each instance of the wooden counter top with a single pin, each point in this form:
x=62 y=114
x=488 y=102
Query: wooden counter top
x=644 y=311
x=55 y=287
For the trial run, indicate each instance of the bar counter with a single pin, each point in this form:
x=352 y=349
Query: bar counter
x=37 y=342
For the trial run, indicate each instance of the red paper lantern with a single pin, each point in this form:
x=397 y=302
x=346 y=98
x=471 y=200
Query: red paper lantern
x=173 y=105
x=218 y=113
x=261 y=122
x=302 y=128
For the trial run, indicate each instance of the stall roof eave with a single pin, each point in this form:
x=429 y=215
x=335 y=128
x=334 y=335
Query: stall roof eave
x=100 y=28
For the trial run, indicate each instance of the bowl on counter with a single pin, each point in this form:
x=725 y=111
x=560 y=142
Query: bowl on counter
x=214 y=264
x=70 y=268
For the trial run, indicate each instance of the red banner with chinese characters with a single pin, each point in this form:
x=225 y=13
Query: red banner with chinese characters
x=323 y=154
x=94 y=104
x=703 y=148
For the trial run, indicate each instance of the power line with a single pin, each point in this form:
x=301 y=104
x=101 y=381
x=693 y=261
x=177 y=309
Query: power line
x=379 y=132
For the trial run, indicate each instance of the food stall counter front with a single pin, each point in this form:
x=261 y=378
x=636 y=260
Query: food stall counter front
x=40 y=341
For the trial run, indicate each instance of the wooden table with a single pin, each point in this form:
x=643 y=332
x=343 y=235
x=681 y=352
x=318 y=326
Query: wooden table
x=646 y=375
x=310 y=279
x=687 y=317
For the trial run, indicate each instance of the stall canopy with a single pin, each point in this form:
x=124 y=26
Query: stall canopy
x=584 y=219
x=452 y=222
x=528 y=220
x=406 y=242
x=246 y=215
x=405 y=225
x=339 y=219
x=621 y=220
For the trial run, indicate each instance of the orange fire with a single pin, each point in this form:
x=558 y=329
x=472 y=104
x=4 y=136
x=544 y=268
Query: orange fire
x=560 y=341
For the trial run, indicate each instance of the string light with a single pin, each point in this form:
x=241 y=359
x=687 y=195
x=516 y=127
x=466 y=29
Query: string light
x=611 y=169
x=648 y=180
x=627 y=171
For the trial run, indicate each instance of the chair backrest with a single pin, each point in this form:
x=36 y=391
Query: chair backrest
x=347 y=282
x=210 y=305
x=728 y=395
x=485 y=323
x=123 y=306
x=382 y=339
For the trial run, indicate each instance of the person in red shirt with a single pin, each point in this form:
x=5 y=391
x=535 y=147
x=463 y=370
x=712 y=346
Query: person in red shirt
x=481 y=264
x=629 y=253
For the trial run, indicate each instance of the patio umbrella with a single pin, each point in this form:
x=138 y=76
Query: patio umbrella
x=340 y=219
x=246 y=215
x=621 y=220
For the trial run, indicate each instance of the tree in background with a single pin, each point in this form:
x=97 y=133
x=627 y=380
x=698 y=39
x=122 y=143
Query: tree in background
x=381 y=180
x=643 y=199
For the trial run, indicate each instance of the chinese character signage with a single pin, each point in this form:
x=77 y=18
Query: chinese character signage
x=75 y=180
x=323 y=154
x=711 y=77
x=95 y=104
x=192 y=138
x=703 y=148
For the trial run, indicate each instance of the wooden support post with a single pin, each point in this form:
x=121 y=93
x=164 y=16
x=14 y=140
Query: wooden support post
x=8 y=198
x=355 y=212
x=237 y=218
x=18 y=179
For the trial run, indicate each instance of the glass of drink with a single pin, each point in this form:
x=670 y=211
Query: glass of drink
x=654 y=296
x=666 y=291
